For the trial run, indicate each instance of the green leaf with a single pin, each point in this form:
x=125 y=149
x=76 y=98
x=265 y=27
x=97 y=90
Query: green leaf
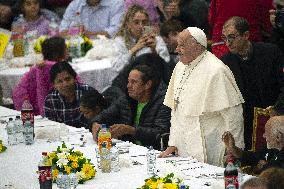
x=64 y=145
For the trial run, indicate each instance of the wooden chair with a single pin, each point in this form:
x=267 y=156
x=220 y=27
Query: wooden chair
x=261 y=116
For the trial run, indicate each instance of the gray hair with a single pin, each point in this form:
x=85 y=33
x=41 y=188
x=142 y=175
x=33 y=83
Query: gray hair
x=277 y=125
x=255 y=182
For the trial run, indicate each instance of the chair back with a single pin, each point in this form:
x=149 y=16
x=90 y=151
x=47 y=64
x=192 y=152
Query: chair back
x=261 y=116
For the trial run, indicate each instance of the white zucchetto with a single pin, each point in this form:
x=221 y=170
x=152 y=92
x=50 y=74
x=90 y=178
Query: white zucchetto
x=198 y=35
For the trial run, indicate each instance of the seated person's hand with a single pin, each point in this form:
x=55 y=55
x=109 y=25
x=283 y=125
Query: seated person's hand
x=168 y=151
x=150 y=41
x=141 y=43
x=228 y=140
x=261 y=164
x=118 y=130
x=95 y=129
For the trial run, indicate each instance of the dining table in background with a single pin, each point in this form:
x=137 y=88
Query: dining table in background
x=96 y=73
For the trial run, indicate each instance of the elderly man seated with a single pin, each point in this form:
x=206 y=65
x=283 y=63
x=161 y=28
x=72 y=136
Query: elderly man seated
x=271 y=157
x=99 y=17
x=62 y=104
x=141 y=117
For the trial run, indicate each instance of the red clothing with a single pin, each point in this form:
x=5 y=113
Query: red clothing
x=254 y=11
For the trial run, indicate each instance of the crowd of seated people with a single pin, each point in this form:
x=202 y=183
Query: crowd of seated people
x=146 y=35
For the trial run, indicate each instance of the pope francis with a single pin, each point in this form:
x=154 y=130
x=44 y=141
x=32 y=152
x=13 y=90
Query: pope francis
x=205 y=101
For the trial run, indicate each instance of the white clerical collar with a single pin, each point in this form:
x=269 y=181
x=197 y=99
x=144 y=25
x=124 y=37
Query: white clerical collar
x=194 y=63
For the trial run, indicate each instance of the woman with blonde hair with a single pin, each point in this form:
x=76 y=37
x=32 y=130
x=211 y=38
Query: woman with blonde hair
x=136 y=37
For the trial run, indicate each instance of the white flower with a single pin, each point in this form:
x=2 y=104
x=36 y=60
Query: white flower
x=160 y=185
x=62 y=162
x=80 y=175
x=63 y=155
x=65 y=150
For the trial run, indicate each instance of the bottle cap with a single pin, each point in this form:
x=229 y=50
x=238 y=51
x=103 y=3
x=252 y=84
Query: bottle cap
x=44 y=153
x=103 y=126
x=104 y=144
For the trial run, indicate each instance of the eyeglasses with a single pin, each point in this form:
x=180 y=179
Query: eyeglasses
x=230 y=38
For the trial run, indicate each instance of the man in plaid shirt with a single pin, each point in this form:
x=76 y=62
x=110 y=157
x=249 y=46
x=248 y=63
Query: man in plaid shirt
x=62 y=104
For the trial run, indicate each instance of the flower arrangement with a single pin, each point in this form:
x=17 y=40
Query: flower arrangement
x=68 y=161
x=86 y=44
x=168 y=182
x=2 y=147
x=38 y=43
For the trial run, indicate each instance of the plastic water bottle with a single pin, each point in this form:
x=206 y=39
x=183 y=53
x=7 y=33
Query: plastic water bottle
x=29 y=38
x=18 y=37
x=76 y=26
x=27 y=112
x=240 y=174
x=73 y=180
x=75 y=46
x=114 y=159
x=12 y=140
x=19 y=130
x=44 y=169
x=105 y=159
x=75 y=31
x=53 y=28
x=28 y=132
x=151 y=161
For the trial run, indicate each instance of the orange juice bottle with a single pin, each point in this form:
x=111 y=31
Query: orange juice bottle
x=104 y=136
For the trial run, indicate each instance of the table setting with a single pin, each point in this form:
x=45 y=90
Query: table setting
x=19 y=163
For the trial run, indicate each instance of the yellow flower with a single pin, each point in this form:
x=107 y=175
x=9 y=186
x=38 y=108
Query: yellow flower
x=170 y=186
x=74 y=165
x=67 y=169
x=88 y=170
x=38 y=43
x=51 y=156
x=55 y=173
x=73 y=158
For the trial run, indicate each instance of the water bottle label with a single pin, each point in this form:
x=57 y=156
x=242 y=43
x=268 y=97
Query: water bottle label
x=231 y=179
x=106 y=140
x=25 y=115
x=44 y=173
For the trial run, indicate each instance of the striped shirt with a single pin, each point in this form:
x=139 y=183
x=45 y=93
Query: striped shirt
x=56 y=108
x=104 y=17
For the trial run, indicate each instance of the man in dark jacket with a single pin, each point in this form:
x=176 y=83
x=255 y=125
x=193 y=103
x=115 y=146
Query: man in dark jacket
x=140 y=117
x=271 y=157
x=257 y=67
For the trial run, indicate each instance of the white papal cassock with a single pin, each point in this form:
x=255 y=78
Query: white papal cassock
x=209 y=103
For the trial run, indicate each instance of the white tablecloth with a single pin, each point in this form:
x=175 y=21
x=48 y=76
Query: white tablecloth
x=18 y=165
x=97 y=73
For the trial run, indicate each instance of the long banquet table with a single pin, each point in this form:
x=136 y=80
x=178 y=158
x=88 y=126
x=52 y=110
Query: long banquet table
x=18 y=164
